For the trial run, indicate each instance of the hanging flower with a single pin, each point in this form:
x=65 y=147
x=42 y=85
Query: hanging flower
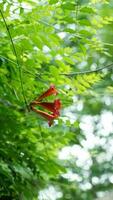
x=52 y=90
x=53 y=107
x=49 y=117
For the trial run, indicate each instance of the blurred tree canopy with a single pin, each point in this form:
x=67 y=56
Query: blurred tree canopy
x=67 y=43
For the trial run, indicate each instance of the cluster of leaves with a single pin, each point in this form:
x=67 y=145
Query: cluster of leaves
x=40 y=41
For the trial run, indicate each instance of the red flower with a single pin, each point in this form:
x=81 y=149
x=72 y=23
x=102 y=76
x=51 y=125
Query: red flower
x=49 y=117
x=50 y=91
x=53 y=107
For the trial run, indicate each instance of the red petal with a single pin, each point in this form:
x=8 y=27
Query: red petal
x=51 y=106
x=50 y=91
x=49 y=117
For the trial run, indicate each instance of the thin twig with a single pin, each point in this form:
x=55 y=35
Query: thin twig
x=8 y=104
x=15 y=53
x=64 y=74
x=43 y=141
x=1 y=56
x=89 y=71
x=74 y=73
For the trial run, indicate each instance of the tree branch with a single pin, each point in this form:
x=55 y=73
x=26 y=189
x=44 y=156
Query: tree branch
x=89 y=71
x=108 y=67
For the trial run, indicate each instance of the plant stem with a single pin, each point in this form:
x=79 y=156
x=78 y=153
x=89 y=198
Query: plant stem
x=15 y=53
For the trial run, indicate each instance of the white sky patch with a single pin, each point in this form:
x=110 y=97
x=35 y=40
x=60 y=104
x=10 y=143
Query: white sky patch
x=79 y=105
x=67 y=87
x=5 y=5
x=93 y=66
x=107 y=100
x=36 y=48
x=102 y=179
x=87 y=127
x=111 y=178
x=81 y=155
x=14 y=10
x=62 y=35
x=71 y=26
x=58 y=57
x=75 y=99
x=105 y=127
x=70 y=114
x=70 y=117
x=57 y=26
x=26 y=5
x=107 y=123
x=50 y=193
x=85 y=186
x=72 y=176
x=82 y=64
x=95 y=180
x=46 y=49
x=102 y=60
x=87 y=124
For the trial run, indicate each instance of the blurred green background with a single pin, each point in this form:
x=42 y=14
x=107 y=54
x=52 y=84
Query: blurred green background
x=65 y=43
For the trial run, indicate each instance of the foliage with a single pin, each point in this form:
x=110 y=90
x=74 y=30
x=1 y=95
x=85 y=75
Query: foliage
x=59 y=42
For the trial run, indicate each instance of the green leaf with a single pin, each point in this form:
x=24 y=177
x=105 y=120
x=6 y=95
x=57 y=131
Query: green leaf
x=53 y=1
x=68 y=6
x=84 y=22
x=87 y=10
x=69 y=60
x=85 y=33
